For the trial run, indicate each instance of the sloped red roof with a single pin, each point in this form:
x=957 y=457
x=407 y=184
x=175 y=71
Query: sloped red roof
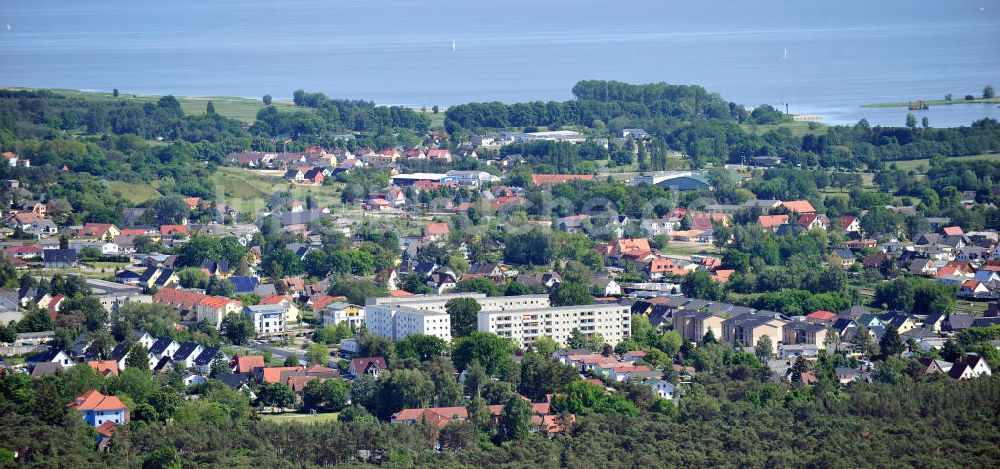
x=772 y=221
x=107 y=428
x=436 y=229
x=246 y=364
x=93 y=400
x=952 y=230
x=799 y=206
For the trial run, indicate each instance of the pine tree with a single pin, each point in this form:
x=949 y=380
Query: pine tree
x=138 y=357
x=891 y=343
x=210 y=108
x=798 y=368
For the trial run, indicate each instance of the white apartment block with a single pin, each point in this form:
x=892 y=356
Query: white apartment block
x=438 y=302
x=267 y=319
x=523 y=326
x=395 y=322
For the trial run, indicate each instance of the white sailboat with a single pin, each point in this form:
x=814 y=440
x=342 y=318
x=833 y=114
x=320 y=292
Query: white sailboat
x=454 y=45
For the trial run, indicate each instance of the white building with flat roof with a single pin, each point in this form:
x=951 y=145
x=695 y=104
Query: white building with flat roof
x=267 y=319
x=486 y=303
x=525 y=325
x=395 y=322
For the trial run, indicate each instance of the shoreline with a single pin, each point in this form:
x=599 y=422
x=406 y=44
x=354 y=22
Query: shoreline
x=933 y=102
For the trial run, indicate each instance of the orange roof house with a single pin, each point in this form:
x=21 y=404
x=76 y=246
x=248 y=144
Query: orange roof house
x=170 y=230
x=769 y=222
x=722 y=275
x=246 y=364
x=98 y=408
x=799 y=206
x=544 y=179
x=952 y=231
x=822 y=316
x=192 y=202
x=105 y=367
x=623 y=246
x=661 y=266
x=436 y=230
x=323 y=300
x=99 y=230
x=180 y=299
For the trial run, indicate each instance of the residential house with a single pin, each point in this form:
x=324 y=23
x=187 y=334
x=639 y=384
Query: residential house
x=186 y=354
x=850 y=223
x=800 y=207
x=844 y=257
x=213 y=309
x=970 y=366
x=100 y=231
x=98 y=408
x=286 y=302
x=373 y=366
x=811 y=221
x=436 y=231
x=203 y=362
x=663 y=389
x=771 y=222
x=268 y=320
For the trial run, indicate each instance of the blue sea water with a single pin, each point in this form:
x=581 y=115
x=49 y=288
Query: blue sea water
x=820 y=57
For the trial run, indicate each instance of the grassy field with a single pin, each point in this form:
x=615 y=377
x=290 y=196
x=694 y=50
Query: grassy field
x=134 y=193
x=244 y=109
x=798 y=128
x=301 y=418
x=247 y=185
x=907 y=165
x=680 y=248
x=936 y=102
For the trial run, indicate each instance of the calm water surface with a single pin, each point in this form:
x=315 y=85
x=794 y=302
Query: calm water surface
x=820 y=57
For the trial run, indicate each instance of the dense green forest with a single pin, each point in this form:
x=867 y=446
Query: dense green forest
x=708 y=129
x=728 y=418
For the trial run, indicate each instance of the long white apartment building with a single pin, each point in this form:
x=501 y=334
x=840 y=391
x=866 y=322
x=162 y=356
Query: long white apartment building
x=438 y=302
x=524 y=325
x=522 y=318
x=395 y=322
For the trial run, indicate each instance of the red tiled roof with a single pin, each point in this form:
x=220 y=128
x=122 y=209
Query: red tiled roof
x=323 y=300
x=217 y=302
x=772 y=221
x=104 y=367
x=436 y=229
x=180 y=299
x=247 y=363
x=821 y=315
x=434 y=153
x=952 y=231
x=398 y=293
x=806 y=219
x=107 y=428
x=22 y=249
x=168 y=230
x=93 y=400
x=274 y=299
x=273 y=374
x=799 y=206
